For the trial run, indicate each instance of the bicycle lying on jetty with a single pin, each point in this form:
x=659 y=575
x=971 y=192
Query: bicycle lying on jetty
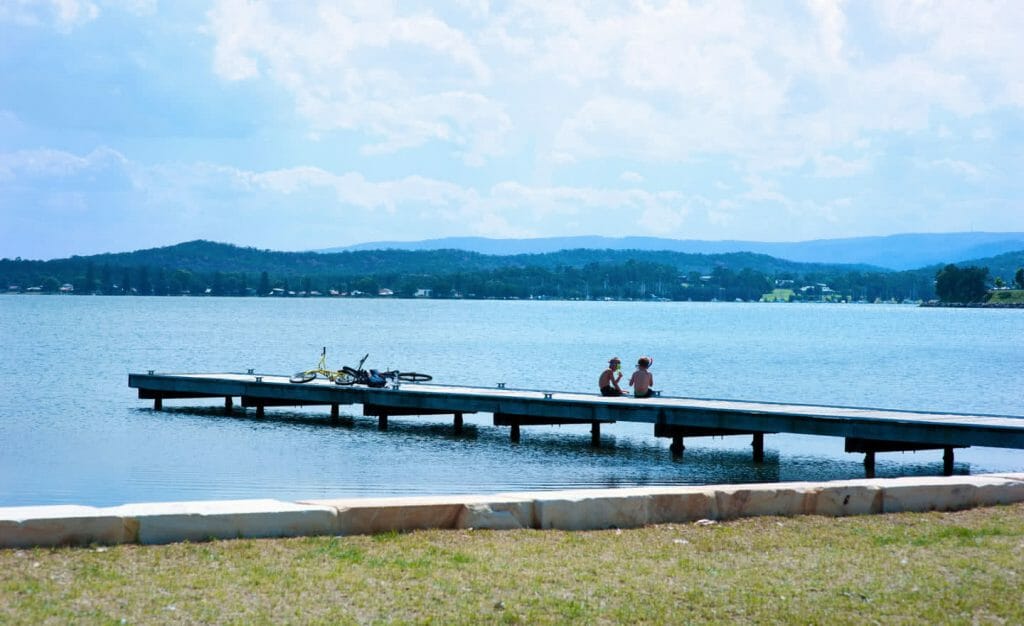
x=335 y=376
x=357 y=375
x=376 y=378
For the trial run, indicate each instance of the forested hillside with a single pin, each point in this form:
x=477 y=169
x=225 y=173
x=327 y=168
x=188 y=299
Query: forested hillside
x=204 y=267
x=893 y=252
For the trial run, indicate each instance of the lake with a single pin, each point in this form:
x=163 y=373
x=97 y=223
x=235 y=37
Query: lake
x=71 y=431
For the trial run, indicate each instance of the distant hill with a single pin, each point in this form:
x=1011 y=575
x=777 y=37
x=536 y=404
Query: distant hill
x=896 y=252
x=206 y=267
x=207 y=257
x=1002 y=265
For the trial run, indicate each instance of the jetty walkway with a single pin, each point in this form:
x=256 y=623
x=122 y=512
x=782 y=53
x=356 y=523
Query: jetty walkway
x=865 y=430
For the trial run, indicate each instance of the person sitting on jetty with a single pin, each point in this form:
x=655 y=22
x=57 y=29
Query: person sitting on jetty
x=641 y=380
x=610 y=377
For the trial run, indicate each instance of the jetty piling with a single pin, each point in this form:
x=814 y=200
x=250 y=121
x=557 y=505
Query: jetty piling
x=515 y=421
x=871 y=446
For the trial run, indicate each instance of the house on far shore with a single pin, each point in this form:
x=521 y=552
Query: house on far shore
x=67 y=288
x=384 y=291
x=423 y=293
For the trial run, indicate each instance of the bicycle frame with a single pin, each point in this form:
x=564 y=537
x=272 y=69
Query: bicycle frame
x=320 y=370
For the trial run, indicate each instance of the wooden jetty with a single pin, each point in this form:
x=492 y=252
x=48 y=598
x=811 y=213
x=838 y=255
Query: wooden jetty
x=866 y=431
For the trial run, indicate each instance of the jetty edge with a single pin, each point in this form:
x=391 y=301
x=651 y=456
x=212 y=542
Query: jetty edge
x=575 y=510
x=865 y=430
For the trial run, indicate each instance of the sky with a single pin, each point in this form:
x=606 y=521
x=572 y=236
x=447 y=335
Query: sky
x=130 y=124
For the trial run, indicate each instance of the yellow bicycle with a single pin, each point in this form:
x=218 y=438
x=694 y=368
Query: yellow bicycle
x=341 y=377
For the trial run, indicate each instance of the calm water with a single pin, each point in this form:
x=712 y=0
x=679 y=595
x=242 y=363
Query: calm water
x=71 y=431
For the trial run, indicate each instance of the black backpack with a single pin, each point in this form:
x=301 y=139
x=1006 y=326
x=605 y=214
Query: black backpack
x=375 y=379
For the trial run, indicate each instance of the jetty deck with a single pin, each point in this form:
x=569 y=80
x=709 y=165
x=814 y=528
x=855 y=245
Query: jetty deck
x=865 y=430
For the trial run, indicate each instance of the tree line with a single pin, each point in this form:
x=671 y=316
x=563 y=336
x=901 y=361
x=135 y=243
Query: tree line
x=206 y=268
x=631 y=280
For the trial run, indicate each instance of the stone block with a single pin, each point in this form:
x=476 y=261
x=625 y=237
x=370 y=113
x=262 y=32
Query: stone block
x=734 y=501
x=593 y=510
x=669 y=505
x=166 y=522
x=60 y=525
x=999 y=489
x=929 y=493
x=368 y=516
x=841 y=498
x=496 y=515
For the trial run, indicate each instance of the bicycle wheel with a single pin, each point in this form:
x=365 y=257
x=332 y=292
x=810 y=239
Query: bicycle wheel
x=414 y=377
x=344 y=378
x=302 y=377
x=351 y=371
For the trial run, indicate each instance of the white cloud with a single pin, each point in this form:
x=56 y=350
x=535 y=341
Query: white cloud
x=530 y=116
x=621 y=127
x=62 y=15
x=65 y=16
x=678 y=78
x=55 y=164
x=961 y=169
x=984 y=133
x=765 y=190
x=770 y=87
x=507 y=209
x=282 y=200
x=830 y=166
x=831 y=24
x=402 y=80
x=70 y=13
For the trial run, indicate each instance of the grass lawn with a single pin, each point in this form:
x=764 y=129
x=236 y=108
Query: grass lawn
x=964 y=567
x=1007 y=296
x=778 y=295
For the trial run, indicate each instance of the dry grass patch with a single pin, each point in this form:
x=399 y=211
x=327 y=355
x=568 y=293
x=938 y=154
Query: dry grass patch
x=908 y=568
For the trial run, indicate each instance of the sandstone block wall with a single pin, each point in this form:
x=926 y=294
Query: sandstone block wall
x=166 y=522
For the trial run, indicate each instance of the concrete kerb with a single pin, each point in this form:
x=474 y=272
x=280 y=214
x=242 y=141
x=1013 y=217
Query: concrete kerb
x=565 y=510
x=64 y=524
x=168 y=522
x=364 y=516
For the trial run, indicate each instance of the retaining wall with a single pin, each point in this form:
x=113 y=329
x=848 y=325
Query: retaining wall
x=155 y=523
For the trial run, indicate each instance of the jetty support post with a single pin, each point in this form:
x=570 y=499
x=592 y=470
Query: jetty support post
x=758 y=445
x=677 y=447
x=335 y=414
x=158 y=403
x=516 y=421
x=869 y=464
x=871 y=446
x=677 y=433
x=228 y=405
x=383 y=412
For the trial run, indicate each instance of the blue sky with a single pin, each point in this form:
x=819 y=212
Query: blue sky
x=301 y=125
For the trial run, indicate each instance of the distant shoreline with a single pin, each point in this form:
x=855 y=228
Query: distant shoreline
x=925 y=304
x=974 y=305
